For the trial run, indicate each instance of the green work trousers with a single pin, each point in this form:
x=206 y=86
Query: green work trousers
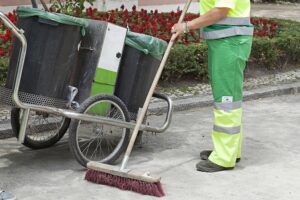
x=227 y=60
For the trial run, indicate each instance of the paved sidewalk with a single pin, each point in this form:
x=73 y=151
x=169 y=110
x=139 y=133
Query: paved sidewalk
x=269 y=169
x=289 y=11
x=186 y=102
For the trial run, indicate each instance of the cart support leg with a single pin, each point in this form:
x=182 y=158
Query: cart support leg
x=24 y=122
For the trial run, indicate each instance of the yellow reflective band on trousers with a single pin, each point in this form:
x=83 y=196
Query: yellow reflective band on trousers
x=227 y=149
x=226 y=136
x=226 y=63
x=228 y=119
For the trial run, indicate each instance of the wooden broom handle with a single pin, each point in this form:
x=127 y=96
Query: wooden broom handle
x=142 y=112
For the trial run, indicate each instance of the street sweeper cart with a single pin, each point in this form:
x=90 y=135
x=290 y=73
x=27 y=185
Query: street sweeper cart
x=93 y=77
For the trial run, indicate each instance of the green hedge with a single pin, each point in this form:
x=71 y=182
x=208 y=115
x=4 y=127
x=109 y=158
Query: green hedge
x=3 y=69
x=284 y=49
x=190 y=61
x=186 y=61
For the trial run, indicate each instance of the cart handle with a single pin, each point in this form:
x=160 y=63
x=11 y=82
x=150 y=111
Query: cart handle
x=168 y=116
x=10 y=24
x=34 y=4
x=19 y=33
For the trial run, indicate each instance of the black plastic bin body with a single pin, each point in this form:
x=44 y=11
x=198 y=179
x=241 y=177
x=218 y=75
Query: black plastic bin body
x=89 y=53
x=51 y=57
x=135 y=77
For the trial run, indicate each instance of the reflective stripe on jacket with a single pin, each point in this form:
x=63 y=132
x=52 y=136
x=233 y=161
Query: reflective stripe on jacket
x=237 y=21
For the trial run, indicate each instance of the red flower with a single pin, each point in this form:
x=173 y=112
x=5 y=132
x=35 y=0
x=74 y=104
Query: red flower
x=9 y=50
x=2 y=52
x=273 y=28
x=172 y=13
x=147 y=25
x=192 y=33
x=163 y=37
x=254 y=21
x=112 y=19
x=89 y=11
x=141 y=29
x=134 y=8
x=265 y=27
x=76 y=13
x=153 y=23
x=272 y=23
x=261 y=34
x=96 y=18
x=154 y=30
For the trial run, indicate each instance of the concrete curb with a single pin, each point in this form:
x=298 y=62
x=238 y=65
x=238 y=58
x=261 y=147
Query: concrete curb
x=5 y=131
x=187 y=103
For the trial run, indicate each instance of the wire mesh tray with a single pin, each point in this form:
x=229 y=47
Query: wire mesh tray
x=6 y=98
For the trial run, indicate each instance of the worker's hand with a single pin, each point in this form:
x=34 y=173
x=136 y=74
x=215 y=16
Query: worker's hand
x=177 y=29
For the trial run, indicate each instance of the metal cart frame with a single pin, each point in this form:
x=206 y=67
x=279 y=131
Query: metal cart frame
x=19 y=33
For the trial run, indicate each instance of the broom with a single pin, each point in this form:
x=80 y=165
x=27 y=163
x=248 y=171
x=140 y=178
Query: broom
x=123 y=178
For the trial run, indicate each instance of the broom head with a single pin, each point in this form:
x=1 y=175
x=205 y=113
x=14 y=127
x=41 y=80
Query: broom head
x=132 y=180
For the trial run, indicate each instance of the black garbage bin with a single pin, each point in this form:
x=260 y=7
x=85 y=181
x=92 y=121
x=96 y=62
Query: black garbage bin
x=140 y=61
x=88 y=57
x=99 y=59
x=53 y=41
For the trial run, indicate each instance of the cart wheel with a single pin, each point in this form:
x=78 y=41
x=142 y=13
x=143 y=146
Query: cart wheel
x=92 y=141
x=43 y=130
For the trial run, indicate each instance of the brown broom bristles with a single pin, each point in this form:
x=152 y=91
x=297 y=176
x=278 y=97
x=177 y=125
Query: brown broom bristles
x=153 y=189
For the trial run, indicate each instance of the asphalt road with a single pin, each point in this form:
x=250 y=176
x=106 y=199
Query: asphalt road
x=269 y=168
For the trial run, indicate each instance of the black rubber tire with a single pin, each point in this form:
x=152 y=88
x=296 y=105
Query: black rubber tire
x=37 y=144
x=74 y=126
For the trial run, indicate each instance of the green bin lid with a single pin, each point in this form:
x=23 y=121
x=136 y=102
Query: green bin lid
x=23 y=12
x=146 y=43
